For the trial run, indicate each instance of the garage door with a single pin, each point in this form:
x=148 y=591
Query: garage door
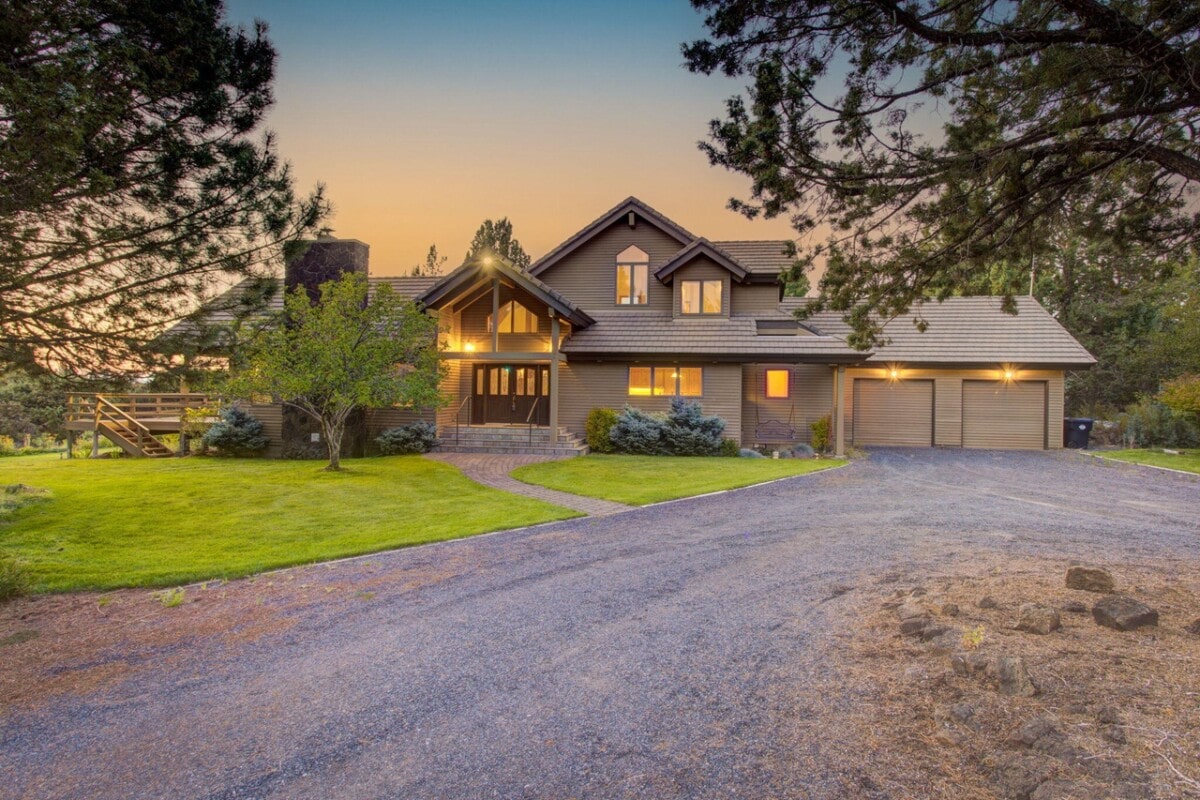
x=893 y=413
x=1010 y=416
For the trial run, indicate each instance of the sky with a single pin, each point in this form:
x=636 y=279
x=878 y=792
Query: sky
x=422 y=119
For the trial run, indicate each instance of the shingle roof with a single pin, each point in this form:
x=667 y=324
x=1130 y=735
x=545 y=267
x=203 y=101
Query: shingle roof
x=650 y=333
x=967 y=330
x=701 y=247
x=763 y=257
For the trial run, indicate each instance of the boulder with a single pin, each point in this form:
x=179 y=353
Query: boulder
x=1011 y=676
x=951 y=610
x=1123 y=613
x=1037 y=618
x=987 y=601
x=1194 y=627
x=910 y=610
x=968 y=664
x=914 y=626
x=1091 y=579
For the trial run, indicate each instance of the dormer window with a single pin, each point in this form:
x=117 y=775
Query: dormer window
x=633 y=277
x=700 y=297
x=514 y=318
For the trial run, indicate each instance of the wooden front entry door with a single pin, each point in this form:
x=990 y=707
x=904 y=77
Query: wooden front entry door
x=508 y=394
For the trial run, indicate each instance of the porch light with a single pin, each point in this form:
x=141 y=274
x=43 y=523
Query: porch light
x=893 y=372
x=487 y=261
x=469 y=347
x=1010 y=374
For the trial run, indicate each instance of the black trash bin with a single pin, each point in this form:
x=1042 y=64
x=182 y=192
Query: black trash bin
x=1076 y=431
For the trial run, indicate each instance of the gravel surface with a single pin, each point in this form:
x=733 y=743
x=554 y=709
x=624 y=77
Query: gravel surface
x=665 y=652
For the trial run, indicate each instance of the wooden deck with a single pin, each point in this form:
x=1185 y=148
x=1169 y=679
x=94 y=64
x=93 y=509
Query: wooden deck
x=131 y=421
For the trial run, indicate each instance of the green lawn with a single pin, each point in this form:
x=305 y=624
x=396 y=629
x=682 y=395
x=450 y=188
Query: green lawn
x=638 y=480
x=143 y=522
x=1187 y=460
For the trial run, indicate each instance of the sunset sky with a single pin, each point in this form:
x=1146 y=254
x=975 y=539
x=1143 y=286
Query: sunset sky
x=423 y=119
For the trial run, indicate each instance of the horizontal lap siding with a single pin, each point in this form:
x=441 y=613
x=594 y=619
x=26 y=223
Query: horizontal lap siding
x=589 y=275
x=271 y=416
x=584 y=386
x=756 y=298
x=380 y=419
x=456 y=386
x=702 y=269
x=948 y=392
x=811 y=397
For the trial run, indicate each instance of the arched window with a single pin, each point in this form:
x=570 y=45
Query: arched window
x=514 y=318
x=633 y=276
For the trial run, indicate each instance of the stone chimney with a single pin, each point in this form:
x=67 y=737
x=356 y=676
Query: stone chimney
x=322 y=261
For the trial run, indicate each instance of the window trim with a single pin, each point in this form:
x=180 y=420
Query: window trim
x=700 y=297
x=767 y=384
x=678 y=378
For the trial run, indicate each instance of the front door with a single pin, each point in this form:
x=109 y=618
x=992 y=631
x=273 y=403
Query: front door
x=512 y=395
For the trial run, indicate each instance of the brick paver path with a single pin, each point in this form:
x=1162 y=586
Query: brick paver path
x=492 y=470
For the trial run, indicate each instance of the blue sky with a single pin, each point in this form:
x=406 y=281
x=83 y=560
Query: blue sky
x=423 y=119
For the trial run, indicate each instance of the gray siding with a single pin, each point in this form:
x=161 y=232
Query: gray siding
x=811 y=399
x=755 y=298
x=589 y=275
x=271 y=416
x=584 y=386
x=380 y=419
x=700 y=269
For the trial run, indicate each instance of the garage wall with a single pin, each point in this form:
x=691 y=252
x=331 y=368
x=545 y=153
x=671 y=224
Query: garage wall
x=948 y=393
x=584 y=386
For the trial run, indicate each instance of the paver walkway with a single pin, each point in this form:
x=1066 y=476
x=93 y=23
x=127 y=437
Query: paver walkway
x=492 y=470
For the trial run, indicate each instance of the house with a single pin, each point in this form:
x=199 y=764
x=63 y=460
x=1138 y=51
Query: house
x=633 y=309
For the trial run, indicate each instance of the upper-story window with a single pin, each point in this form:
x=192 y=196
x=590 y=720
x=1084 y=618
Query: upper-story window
x=514 y=318
x=633 y=277
x=700 y=297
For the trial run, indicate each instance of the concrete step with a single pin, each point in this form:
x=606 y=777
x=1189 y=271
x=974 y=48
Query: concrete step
x=564 y=452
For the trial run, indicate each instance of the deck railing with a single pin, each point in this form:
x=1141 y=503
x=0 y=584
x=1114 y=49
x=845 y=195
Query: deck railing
x=82 y=407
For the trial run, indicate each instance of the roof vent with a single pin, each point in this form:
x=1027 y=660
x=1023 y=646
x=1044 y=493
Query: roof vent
x=632 y=220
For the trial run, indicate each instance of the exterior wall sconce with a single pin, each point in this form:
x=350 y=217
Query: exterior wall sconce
x=1009 y=373
x=469 y=347
x=894 y=372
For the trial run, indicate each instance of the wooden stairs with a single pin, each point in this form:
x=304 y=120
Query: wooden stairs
x=127 y=432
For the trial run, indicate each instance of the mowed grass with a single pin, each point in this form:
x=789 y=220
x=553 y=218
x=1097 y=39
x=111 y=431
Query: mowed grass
x=142 y=522
x=638 y=480
x=1187 y=460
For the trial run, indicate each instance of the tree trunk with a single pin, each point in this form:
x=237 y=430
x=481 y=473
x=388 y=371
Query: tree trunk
x=333 y=442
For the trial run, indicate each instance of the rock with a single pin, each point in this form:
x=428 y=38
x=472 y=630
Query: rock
x=951 y=610
x=932 y=631
x=1194 y=627
x=1109 y=715
x=913 y=626
x=1044 y=735
x=1113 y=733
x=968 y=664
x=1037 y=618
x=910 y=611
x=1123 y=613
x=917 y=592
x=963 y=712
x=1011 y=676
x=987 y=601
x=1091 y=579
x=1075 y=607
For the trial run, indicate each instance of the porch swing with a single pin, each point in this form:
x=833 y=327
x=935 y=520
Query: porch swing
x=772 y=430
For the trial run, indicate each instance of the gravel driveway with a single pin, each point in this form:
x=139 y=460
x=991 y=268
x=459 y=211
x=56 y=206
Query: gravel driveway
x=664 y=652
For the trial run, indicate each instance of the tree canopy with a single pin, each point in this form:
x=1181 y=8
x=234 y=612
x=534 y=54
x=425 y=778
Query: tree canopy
x=433 y=265
x=132 y=178
x=934 y=139
x=498 y=237
x=344 y=352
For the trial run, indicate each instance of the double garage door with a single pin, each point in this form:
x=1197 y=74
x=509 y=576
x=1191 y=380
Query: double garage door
x=994 y=414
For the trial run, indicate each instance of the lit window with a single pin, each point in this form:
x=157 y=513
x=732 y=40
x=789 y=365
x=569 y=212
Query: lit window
x=515 y=318
x=664 y=381
x=700 y=297
x=633 y=277
x=691 y=381
x=778 y=383
x=639 y=381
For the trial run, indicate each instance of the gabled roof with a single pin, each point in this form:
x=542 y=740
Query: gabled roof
x=450 y=287
x=614 y=214
x=761 y=257
x=968 y=330
x=697 y=249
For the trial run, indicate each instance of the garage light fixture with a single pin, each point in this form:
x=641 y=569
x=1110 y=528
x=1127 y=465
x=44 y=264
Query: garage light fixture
x=1009 y=373
x=894 y=372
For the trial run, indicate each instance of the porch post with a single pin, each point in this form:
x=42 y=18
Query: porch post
x=839 y=405
x=553 y=378
x=495 y=315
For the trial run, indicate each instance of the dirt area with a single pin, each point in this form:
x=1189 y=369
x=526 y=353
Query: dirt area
x=944 y=712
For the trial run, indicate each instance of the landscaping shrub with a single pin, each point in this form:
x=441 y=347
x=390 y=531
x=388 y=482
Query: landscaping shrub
x=14 y=580
x=408 y=440
x=638 y=433
x=729 y=448
x=1149 y=423
x=820 y=434
x=1183 y=395
x=684 y=431
x=600 y=422
x=746 y=452
x=236 y=433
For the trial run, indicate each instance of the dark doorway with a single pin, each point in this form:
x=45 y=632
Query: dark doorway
x=510 y=394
